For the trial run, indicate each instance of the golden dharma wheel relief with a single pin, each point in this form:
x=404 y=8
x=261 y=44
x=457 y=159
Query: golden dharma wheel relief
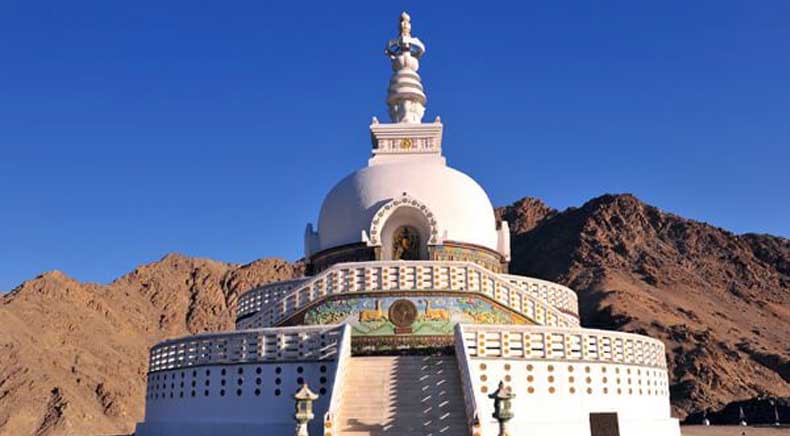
x=406 y=144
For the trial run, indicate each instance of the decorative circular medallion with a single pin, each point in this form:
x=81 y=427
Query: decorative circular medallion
x=406 y=143
x=402 y=313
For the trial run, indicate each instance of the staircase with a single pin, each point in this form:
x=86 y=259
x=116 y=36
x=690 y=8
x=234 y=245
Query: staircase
x=403 y=395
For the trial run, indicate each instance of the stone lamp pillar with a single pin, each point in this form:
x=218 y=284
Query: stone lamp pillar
x=502 y=407
x=776 y=413
x=304 y=409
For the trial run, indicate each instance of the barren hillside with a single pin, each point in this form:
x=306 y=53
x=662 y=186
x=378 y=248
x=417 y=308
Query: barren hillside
x=73 y=357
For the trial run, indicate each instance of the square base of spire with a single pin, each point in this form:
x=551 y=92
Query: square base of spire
x=404 y=140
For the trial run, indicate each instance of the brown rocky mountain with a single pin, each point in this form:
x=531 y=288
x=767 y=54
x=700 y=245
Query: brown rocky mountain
x=73 y=357
x=719 y=301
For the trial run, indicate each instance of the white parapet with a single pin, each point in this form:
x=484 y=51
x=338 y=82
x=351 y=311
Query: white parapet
x=543 y=302
x=242 y=383
x=565 y=377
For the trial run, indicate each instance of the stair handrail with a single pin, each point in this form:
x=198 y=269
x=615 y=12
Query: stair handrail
x=336 y=397
x=465 y=373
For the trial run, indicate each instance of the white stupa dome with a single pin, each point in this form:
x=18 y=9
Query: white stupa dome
x=407 y=187
x=461 y=207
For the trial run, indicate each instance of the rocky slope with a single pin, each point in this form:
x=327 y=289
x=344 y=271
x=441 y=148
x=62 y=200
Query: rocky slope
x=719 y=301
x=73 y=355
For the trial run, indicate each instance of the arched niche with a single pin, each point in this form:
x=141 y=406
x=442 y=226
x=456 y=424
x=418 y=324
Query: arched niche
x=400 y=220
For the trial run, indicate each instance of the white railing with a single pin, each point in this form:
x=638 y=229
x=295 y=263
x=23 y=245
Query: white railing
x=248 y=346
x=463 y=358
x=330 y=417
x=252 y=300
x=561 y=297
x=426 y=276
x=565 y=344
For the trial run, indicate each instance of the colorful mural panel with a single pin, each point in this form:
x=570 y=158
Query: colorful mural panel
x=435 y=315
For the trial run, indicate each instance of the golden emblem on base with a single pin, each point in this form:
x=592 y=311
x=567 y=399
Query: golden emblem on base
x=402 y=314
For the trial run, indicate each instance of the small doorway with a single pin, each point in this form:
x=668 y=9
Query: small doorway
x=604 y=424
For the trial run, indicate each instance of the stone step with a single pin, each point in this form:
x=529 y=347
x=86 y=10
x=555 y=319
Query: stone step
x=402 y=395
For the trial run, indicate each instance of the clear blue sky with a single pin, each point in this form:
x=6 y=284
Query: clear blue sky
x=132 y=129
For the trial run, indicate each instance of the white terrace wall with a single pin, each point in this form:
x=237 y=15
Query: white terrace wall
x=560 y=376
x=252 y=300
x=555 y=306
x=241 y=389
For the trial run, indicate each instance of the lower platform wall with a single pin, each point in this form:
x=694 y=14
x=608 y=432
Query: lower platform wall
x=557 y=398
x=246 y=398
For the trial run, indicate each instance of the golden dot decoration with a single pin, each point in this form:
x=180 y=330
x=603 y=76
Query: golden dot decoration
x=531 y=390
x=507 y=367
x=551 y=368
x=588 y=380
x=605 y=390
x=605 y=380
x=551 y=379
x=530 y=378
x=570 y=368
x=529 y=367
x=484 y=389
x=406 y=143
x=551 y=389
x=483 y=366
x=589 y=390
x=587 y=369
x=572 y=390
x=571 y=379
x=483 y=378
x=507 y=378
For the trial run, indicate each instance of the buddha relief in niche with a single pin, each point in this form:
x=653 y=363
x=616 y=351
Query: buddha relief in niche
x=406 y=244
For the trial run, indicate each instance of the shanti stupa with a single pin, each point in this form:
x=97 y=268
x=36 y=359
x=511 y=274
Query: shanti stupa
x=408 y=322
